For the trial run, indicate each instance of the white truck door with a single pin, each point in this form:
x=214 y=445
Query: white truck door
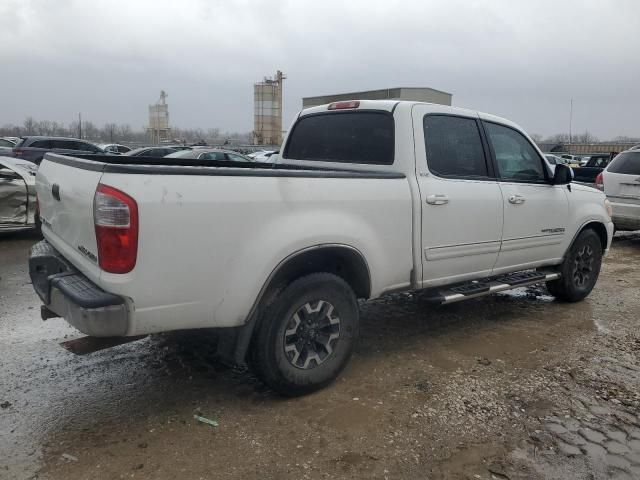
x=535 y=211
x=460 y=198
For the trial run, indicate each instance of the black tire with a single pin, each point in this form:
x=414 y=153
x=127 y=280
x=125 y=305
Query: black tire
x=580 y=268
x=310 y=356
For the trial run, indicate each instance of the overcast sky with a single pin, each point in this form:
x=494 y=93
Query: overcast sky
x=520 y=60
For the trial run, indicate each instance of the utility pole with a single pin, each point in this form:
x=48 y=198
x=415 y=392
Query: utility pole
x=570 y=120
x=80 y=126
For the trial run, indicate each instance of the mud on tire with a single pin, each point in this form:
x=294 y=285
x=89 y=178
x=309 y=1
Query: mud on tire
x=306 y=335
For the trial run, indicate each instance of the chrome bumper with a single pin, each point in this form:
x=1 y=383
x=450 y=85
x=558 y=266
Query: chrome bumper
x=69 y=294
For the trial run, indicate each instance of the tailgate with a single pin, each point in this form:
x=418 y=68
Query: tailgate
x=622 y=186
x=65 y=195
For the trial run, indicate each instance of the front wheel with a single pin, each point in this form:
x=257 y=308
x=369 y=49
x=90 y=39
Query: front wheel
x=306 y=335
x=580 y=268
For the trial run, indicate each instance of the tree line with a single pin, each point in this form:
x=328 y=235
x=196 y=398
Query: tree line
x=118 y=133
x=585 y=137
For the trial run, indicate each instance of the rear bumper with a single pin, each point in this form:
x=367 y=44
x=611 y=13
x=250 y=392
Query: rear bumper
x=626 y=216
x=69 y=294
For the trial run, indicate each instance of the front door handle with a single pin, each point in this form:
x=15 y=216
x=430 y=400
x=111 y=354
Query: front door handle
x=516 y=199
x=437 y=199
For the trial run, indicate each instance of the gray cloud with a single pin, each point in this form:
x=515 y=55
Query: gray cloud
x=521 y=60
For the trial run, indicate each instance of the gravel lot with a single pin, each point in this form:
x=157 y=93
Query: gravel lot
x=513 y=386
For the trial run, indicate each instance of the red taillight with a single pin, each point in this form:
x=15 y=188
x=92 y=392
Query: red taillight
x=344 y=105
x=600 y=181
x=115 y=215
x=17 y=152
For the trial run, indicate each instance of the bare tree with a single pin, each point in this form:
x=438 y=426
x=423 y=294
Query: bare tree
x=124 y=131
x=89 y=130
x=74 y=129
x=558 y=138
x=586 y=137
x=110 y=131
x=29 y=126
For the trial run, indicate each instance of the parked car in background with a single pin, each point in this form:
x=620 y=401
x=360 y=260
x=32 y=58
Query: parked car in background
x=253 y=154
x=181 y=147
x=18 y=206
x=268 y=156
x=620 y=182
x=210 y=154
x=572 y=160
x=6 y=145
x=114 y=148
x=33 y=148
x=150 y=152
x=8 y=142
x=595 y=165
x=555 y=160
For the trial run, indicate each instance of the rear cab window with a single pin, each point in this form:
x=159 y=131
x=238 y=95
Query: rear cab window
x=627 y=163
x=364 y=137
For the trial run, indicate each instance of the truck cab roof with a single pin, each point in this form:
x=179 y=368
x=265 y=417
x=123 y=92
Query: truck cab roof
x=392 y=105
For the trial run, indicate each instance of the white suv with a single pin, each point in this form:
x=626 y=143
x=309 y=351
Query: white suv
x=620 y=181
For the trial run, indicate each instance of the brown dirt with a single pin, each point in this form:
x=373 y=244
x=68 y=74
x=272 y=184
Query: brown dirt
x=509 y=386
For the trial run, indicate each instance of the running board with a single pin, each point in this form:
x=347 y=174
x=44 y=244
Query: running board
x=481 y=288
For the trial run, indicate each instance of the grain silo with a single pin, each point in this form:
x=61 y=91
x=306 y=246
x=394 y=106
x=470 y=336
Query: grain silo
x=159 y=129
x=267 y=114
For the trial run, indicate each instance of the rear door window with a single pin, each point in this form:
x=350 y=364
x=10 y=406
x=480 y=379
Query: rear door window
x=365 y=137
x=627 y=163
x=63 y=144
x=454 y=147
x=48 y=144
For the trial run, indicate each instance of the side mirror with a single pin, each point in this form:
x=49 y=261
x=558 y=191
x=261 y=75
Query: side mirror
x=563 y=175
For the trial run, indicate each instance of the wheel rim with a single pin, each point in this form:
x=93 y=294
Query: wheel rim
x=311 y=334
x=583 y=266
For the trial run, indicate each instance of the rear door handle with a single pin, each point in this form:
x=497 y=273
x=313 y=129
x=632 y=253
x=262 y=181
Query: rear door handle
x=516 y=199
x=437 y=199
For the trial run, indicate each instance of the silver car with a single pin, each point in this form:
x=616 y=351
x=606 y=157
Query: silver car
x=217 y=154
x=620 y=181
x=18 y=206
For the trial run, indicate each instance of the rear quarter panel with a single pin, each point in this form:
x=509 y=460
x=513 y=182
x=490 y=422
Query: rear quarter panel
x=207 y=244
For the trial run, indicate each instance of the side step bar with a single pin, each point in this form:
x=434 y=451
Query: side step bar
x=480 y=288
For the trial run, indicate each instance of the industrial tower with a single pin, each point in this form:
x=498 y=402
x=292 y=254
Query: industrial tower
x=159 y=130
x=267 y=114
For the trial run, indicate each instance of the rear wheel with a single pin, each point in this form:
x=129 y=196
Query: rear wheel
x=306 y=335
x=580 y=268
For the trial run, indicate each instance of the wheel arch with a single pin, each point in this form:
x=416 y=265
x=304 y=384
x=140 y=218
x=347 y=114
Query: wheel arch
x=597 y=227
x=345 y=261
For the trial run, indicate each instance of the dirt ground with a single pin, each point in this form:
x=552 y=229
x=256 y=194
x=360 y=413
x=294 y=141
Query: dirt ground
x=513 y=386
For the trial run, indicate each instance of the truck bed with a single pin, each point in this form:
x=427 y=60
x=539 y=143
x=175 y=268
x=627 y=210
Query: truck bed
x=211 y=233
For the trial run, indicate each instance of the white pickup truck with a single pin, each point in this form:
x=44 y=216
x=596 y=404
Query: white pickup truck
x=367 y=198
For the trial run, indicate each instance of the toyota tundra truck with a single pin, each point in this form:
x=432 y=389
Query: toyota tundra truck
x=366 y=198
